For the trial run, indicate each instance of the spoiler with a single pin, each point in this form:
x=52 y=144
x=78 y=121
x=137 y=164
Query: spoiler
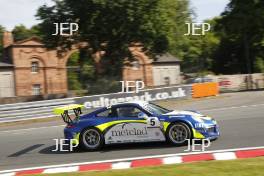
x=64 y=112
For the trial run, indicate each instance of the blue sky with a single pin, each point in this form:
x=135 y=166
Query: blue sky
x=14 y=12
x=206 y=9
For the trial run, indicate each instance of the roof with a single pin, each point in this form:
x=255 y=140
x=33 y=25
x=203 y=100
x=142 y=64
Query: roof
x=166 y=58
x=32 y=42
x=3 y=64
x=138 y=102
x=34 y=38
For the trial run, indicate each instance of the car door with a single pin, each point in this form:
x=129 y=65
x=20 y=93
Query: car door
x=132 y=128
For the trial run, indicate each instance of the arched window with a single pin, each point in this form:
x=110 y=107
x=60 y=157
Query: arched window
x=135 y=65
x=34 y=66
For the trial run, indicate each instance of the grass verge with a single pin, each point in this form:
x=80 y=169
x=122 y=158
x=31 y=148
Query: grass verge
x=240 y=167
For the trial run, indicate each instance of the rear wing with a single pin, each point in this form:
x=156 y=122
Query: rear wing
x=64 y=112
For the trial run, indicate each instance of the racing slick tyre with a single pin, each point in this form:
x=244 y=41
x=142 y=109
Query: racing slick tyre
x=178 y=133
x=91 y=139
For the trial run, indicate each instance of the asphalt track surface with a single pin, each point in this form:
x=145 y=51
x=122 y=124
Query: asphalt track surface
x=240 y=116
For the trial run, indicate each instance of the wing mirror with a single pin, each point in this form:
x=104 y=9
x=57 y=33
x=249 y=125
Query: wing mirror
x=142 y=115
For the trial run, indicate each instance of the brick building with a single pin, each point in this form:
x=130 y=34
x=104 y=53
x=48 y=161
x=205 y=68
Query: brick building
x=7 y=86
x=159 y=71
x=37 y=70
x=30 y=69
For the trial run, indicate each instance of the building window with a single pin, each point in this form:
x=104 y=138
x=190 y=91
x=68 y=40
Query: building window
x=36 y=89
x=135 y=65
x=34 y=67
x=167 y=80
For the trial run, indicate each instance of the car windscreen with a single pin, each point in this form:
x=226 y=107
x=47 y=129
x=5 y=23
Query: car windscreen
x=156 y=109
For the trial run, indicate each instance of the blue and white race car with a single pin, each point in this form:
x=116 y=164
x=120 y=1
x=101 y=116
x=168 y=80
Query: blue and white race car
x=133 y=122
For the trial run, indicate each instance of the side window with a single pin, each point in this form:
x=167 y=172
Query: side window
x=106 y=113
x=128 y=111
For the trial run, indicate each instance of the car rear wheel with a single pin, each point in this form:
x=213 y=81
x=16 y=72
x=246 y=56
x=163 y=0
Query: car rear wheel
x=178 y=133
x=91 y=139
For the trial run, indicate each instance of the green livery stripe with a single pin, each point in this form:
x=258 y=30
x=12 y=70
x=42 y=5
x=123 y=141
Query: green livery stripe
x=76 y=138
x=165 y=125
x=197 y=135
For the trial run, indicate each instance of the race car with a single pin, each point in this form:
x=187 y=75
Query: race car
x=133 y=122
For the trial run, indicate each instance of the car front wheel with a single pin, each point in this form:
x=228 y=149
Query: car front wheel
x=178 y=133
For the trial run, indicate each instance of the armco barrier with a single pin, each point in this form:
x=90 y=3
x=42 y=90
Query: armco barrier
x=43 y=109
x=205 y=89
x=31 y=110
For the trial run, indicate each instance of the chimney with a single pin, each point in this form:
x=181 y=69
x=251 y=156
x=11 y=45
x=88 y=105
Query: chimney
x=7 y=39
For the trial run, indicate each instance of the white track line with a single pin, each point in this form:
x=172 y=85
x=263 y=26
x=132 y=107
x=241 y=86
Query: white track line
x=172 y=160
x=232 y=107
x=30 y=129
x=9 y=174
x=121 y=165
x=62 y=169
x=130 y=159
x=225 y=156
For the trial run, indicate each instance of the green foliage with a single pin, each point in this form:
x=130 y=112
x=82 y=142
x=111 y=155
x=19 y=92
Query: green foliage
x=79 y=74
x=73 y=68
x=74 y=59
x=87 y=72
x=73 y=81
x=105 y=85
x=82 y=77
x=235 y=43
x=112 y=26
x=241 y=29
x=174 y=15
x=200 y=49
x=2 y=29
x=20 y=32
x=240 y=167
x=259 y=65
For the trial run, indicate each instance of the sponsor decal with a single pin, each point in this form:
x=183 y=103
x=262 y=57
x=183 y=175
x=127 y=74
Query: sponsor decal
x=130 y=132
x=107 y=100
x=199 y=125
x=133 y=132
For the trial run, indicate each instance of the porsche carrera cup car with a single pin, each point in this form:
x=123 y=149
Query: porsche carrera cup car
x=133 y=122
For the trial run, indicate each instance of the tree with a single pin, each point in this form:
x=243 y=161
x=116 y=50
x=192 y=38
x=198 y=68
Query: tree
x=200 y=50
x=78 y=77
x=242 y=32
x=175 y=14
x=259 y=65
x=2 y=29
x=21 y=32
x=112 y=26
